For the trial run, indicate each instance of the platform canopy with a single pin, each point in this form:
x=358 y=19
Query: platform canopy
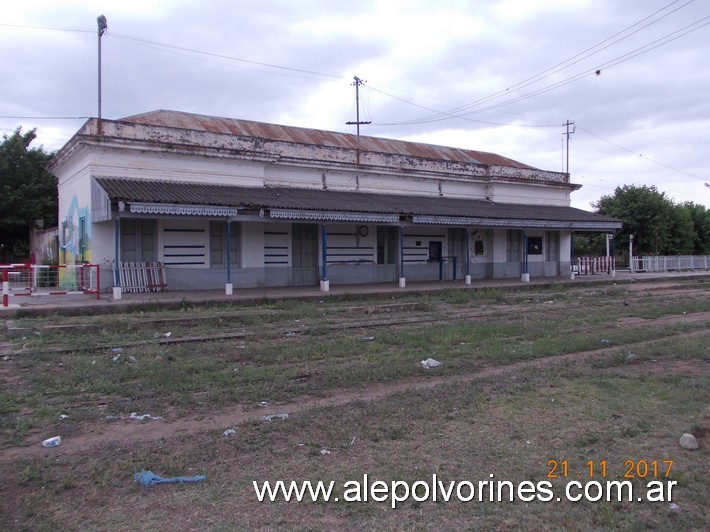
x=158 y=197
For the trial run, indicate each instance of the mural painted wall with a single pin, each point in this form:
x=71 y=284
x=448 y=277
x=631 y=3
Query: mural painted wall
x=75 y=242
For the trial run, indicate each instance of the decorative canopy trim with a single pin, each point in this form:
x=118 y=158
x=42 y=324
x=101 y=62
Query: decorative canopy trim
x=160 y=197
x=333 y=216
x=526 y=224
x=188 y=210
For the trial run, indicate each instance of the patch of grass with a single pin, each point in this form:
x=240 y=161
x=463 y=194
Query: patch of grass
x=9 y=403
x=612 y=407
x=451 y=431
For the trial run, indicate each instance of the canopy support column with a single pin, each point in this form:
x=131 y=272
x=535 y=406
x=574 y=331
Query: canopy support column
x=229 y=286
x=402 y=280
x=116 y=272
x=324 y=282
x=525 y=277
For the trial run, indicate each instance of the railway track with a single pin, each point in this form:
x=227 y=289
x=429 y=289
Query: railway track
x=575 y=302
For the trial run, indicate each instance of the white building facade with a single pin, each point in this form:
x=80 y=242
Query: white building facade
x=221 y=202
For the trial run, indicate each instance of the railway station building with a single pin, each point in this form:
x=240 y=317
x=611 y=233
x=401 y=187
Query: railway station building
x=227 y=203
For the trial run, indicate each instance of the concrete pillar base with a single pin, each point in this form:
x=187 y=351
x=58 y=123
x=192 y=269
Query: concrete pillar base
x=571 y=275
x=525 y=277
x=117 y=292
x=467 y=280
x=402 y=282
x=613 y=273
x=228 y=289
x=325 y=286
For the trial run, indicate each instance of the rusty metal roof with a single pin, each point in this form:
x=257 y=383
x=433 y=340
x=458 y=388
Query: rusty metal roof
x=255 y=198
x=248 y=128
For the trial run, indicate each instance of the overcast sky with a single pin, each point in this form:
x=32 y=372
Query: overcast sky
x=490 y=75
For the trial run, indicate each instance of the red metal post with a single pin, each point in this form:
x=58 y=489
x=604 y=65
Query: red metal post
x=5 y=288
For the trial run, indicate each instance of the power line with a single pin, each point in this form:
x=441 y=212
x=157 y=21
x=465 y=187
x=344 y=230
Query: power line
x=159 y=45
x=52 y=28
x=594 y=70
x=570 y=61
x=445 y=113
x=457 y=111
x=44 y=117
x=228 y=57
x=639 y=154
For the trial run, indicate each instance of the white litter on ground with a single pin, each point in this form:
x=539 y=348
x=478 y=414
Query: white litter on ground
x=430 y=363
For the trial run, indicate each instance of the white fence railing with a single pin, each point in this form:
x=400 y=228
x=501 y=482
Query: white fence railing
x=670 y=263
x=594 y=265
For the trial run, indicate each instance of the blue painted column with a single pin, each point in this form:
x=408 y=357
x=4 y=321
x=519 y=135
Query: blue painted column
x=229 y=287
x=117 y=232
x=526 y=274
x=324 y=253
x=468 y=255
x=402 y=281
x=116 y=275
x=324 y=282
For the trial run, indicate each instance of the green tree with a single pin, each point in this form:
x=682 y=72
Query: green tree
x=647 y=214
x=681 y=240
x=701 y=225
x=28 y=192
x=589 y=244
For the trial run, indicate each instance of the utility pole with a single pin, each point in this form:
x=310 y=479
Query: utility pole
x=102 y=29
x=567 y=134
x=357 y=122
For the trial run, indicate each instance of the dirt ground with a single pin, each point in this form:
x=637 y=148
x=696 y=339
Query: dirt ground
x=339 y=432
x=130 y=432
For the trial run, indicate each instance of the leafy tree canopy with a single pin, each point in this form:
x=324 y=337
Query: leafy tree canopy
x=28 y=192
x=659 y=225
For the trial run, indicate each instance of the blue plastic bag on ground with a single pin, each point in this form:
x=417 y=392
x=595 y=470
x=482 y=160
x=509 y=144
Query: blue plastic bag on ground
x=148 y=478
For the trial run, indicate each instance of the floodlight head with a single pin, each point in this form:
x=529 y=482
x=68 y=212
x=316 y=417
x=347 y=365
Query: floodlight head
x=101 y=20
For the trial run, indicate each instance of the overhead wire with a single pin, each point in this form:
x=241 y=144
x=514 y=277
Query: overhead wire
x=44 y=117
x=227 y=57
x=457 y=112
x=445 y=113
x=168 y=47
x=639 y=154
x=604 y=66
x=570 y=61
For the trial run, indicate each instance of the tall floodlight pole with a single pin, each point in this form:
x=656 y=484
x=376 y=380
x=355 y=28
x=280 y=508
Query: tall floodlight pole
x=101 y=20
